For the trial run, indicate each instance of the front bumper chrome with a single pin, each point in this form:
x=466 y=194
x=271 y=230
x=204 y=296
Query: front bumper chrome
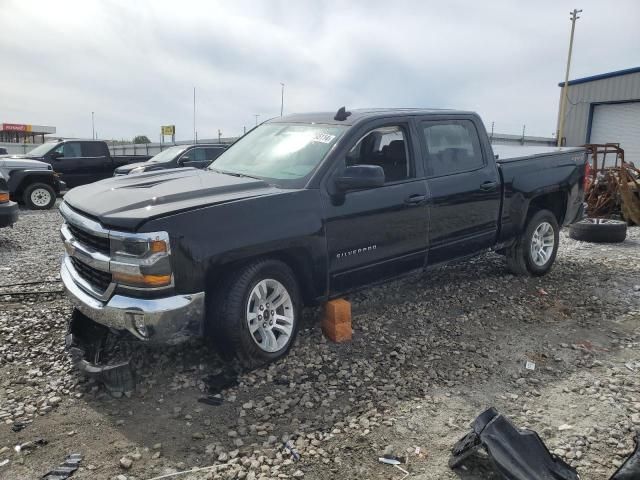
x=166 y=320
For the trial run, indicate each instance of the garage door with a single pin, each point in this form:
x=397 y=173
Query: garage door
x=618 y=123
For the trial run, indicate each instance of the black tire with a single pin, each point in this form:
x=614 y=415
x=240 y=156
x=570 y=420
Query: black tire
x=519 y=257
x=599 y=230
x=39 y=196
x=227 y=325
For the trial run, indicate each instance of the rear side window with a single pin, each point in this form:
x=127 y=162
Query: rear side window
x=452 y=147
x=93 y=149
x=213 y=153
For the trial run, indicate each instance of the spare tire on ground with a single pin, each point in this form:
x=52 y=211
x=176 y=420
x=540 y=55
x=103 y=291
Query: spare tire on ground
x=599 y=230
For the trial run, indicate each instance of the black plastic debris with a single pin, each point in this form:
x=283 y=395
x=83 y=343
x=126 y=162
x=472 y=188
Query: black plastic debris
x=219 y=382
x=38 y=442
x=65 y=469
x=517 y=454
x=18 y=426
x=630 y=469
x=211 y=400
x=520 y=454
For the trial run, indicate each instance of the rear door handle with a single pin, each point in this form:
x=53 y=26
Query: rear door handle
x=415 y=199
x=488 y=186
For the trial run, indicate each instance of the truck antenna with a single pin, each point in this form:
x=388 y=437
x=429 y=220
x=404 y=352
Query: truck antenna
x=341 y=114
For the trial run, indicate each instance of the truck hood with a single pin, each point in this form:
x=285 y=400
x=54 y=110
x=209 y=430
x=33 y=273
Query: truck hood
x=22 y=161
x=127 y=202
x=130 y=166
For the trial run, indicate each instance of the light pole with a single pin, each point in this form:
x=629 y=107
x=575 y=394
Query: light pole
x=282 y=99
x=563 y=98
x=256 y=115
x=93 y=128
x=195 y=139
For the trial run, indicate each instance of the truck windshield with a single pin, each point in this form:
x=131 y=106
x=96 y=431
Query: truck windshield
x=279 y=151
x=43 y=149
x=168 y=154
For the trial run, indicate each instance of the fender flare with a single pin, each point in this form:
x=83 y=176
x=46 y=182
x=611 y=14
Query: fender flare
x=18 y=178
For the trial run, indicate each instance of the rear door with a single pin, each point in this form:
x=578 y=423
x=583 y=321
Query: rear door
x=96 y=161
x=463 y=186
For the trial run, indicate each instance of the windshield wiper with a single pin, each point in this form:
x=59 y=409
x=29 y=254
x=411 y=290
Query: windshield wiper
x=235 y=174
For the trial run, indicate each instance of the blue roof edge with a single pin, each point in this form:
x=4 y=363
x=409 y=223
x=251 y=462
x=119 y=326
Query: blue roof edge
x=602 y=76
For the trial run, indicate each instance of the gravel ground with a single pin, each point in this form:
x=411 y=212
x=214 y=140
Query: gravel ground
x=429 y=353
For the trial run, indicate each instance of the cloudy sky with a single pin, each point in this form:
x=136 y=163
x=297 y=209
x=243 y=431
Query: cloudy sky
x=136 y=63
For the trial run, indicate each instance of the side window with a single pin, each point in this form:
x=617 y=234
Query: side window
x=452 y=147
x=213 y=153
x=92 y=149
x=386 y=147
x=69 y=150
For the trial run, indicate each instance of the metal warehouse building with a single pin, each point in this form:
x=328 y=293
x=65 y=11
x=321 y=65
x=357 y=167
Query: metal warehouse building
x=605 y=109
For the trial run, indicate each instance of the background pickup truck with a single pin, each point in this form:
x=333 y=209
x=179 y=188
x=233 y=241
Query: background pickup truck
x=197 y=156
x=30 y=182
x=79 y=162
x=302 y=209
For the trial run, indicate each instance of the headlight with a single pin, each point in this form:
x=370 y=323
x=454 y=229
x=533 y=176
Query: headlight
x=136 y=170
x=141 y=260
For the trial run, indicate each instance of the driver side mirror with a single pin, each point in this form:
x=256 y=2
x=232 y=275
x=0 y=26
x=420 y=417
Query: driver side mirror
x=183 y=160
x=357 y=177
x=55 y=155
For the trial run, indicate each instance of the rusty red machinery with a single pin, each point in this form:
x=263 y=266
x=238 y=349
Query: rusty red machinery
x=612 y=185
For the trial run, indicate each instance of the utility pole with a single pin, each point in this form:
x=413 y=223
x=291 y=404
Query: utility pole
x=563 y=98
x=491 y=138
x=195 y=138
x=219 y=135
x=93 y=128
x=256 y=115
x=282 y=99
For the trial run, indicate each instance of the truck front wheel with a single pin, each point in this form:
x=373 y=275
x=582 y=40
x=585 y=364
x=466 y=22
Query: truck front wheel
x=255 y=314
x=535 y=250
x=39 y=196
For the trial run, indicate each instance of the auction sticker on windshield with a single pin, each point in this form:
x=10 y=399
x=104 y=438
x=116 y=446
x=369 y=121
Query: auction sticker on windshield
x=323 y=138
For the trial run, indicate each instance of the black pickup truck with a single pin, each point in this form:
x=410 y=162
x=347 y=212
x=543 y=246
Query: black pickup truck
x=79 y=162
x=302 y=209
x=199 y=155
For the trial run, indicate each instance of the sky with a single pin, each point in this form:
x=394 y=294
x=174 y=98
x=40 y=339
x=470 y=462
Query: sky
x=136 y=63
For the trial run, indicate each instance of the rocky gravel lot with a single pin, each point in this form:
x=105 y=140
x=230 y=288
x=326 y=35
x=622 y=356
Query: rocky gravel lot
x=429 y=353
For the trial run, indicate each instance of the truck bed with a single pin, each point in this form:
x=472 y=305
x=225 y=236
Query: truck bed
x=509 y=153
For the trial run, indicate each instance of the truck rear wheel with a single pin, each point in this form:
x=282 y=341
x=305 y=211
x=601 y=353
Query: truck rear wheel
x=255 y=315
x=535 y=251
x=39 y=196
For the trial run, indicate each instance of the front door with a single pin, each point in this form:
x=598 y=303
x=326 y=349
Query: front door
x=67 y=163
x=378 y=233
x=464 y=189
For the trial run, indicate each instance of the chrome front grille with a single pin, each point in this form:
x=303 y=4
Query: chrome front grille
x=97 y=243
x=97 y=278
x=87 y=245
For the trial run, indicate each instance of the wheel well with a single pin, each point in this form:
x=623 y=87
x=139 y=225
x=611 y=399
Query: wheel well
x=296 y=259
x=31 y=179
x=555 y=202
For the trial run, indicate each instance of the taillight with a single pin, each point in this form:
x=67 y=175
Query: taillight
x=4 y=197
x=586 y=183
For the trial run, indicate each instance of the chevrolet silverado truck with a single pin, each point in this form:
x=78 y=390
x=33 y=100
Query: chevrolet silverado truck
x=302 y=209
x=8 y=209
x=79 y=162
x=31 y=182
x=199 y=155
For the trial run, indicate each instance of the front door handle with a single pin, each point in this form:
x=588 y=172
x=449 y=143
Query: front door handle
x=415 y=199
x=488 y=186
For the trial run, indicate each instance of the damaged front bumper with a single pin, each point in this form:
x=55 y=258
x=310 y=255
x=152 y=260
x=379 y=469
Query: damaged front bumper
x=166 y=320
x=86 y=341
